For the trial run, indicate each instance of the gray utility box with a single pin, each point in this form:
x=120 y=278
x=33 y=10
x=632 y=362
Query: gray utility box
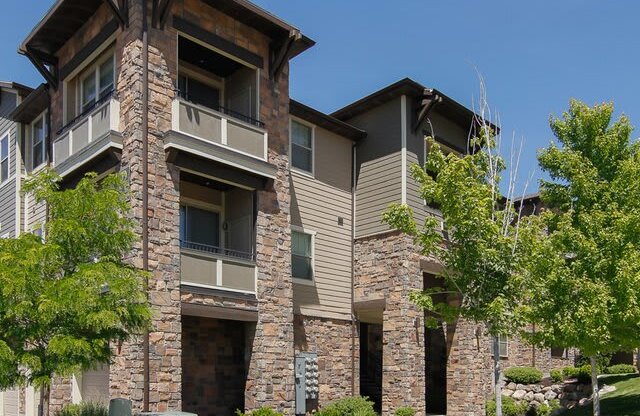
x=306 y=368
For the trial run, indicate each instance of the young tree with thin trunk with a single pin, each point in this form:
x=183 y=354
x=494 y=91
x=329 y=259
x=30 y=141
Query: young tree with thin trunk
x=65 y=300
x=478 y=247
x=584 y=264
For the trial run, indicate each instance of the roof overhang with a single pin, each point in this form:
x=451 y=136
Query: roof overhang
x=32 y=106
x=58 y=25
x=22 y=90
x=325 y=121
x=254 y=16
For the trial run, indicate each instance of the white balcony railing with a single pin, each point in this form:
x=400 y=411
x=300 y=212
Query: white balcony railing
x=89 y=127
x=211 y=267
x=216 y=127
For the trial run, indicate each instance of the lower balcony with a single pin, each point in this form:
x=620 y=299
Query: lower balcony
x=217 y=268
x=217 y=235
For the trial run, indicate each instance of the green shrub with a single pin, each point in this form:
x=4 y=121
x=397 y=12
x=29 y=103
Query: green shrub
x=509 y=407
x=405 y=411
x=84 y=409
x=556 y=376
x=348 y=406
x=620 y=369
x=263 y=411
x=583 y=374
x=544 y=409
x=523 y=375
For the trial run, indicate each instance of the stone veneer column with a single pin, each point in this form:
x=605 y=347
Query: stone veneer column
x=270 y=379
x=469 y=369
x=126 y=377
x=389 y=265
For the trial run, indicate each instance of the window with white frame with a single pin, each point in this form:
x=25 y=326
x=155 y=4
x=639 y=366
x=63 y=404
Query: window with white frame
x=38 y=134
x=199 y=228
x=503 y=346
x=301 y=146
x=96 y=83
x=301 y=255
x=4 y=158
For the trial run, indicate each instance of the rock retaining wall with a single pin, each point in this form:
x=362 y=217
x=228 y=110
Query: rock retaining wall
x=568 y=394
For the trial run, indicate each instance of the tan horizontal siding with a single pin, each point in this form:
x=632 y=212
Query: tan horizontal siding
x=316 y=206
x=379 y=185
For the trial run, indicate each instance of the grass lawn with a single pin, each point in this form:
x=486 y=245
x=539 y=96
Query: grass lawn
x=625 y=401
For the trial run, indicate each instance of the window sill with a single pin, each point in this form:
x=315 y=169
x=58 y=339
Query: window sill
x=304 y=282
x=302 y=172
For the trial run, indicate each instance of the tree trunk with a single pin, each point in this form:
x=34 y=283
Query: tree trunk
x=497 y=375
x=594 y=386
x=45 y=393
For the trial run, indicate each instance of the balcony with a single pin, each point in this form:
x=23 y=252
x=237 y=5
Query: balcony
x=215 y=117
x=217 y=235
x=221 y=127
x=89 y=138
x=218 y=268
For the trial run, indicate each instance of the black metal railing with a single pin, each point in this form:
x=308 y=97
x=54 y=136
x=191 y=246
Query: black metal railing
x=231 y=113
x=106 y=96
x=204 y=248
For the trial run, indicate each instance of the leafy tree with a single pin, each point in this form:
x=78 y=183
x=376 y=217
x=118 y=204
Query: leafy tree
x=64 y=299
x=584 y=267
x=479 y=246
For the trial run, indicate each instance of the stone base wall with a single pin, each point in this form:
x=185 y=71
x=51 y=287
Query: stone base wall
x=60 y=394
x=521 y=354
x=337 y=346
x=214 y=364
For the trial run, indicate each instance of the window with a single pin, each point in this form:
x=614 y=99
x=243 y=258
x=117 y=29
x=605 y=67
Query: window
x=97 y=83
x=4 y=158
x=503 y=346
x=38 y=133
x=198 y=92
x=301 y=146
x=301 y=255
x=199 y=228
x=558 y=352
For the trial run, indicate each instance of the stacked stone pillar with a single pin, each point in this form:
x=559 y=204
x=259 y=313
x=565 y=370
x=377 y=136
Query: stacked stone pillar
x=388 y=266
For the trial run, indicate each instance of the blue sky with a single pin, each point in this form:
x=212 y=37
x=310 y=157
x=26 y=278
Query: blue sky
x=534 y=55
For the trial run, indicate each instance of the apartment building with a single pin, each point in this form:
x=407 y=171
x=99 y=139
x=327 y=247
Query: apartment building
x=274 y=282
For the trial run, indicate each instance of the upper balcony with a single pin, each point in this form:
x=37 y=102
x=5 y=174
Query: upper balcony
x=89 y=137
x=215 y=115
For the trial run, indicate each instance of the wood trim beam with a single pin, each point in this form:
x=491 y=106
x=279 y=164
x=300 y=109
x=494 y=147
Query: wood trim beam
x=210 y=38
x=161 y=9
x=429 y=101
x=50 y=72
x=120 y=9
x=281 y=53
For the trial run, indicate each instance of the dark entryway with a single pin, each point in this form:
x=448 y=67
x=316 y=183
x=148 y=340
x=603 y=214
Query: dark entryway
x=436 y=353
x=371 y=363
x=214 y=369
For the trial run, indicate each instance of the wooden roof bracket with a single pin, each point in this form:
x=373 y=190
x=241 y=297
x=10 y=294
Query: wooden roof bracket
x=429 y=100
x=160 y=13
x=46 y=64
x=120 y=9
x=281 y=53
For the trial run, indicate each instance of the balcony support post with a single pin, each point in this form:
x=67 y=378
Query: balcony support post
x=218 y=272
x=223 y=131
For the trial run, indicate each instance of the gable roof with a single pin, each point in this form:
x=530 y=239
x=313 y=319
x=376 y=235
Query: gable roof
x=406 y=86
